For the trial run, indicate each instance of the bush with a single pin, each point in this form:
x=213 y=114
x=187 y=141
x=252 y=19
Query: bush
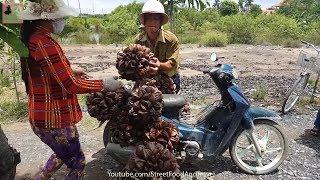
x=13 y=110
x=291 y=43
x=182 y=25
x=123 y=22
x=80 y=37
x=255 y=10
x=277 y=29
x=228 y=8
x=211 y=15
x=129 y=40
x=313 y=33
x=210 y=26
x=189 y=37
x=214 y=39
x=240 y=28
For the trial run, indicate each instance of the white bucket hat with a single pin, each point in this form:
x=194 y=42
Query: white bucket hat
x=154 y=6
x=47 y=9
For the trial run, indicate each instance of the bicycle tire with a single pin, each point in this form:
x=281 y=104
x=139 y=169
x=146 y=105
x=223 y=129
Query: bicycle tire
x=289 y=102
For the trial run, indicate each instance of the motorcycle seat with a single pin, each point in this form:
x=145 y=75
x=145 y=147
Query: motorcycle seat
x=173 y=101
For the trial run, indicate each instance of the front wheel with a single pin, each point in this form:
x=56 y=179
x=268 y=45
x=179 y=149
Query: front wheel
x=271 y=141
x=295 y=93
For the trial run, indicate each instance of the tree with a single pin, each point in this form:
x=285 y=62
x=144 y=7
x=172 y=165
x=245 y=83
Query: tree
x=228 y=8
x=171 y=7
x=248 y=4
x=241 y=5
x=255 y=10
x=118 y=29
x=216 y=4
x=305 y=11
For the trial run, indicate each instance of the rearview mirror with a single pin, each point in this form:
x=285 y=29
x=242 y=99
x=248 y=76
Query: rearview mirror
x=213 y=57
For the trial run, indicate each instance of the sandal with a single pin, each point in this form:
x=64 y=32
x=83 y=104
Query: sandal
x=314 y=131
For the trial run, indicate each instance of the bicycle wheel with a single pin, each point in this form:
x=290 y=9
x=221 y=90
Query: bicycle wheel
x=295 y=93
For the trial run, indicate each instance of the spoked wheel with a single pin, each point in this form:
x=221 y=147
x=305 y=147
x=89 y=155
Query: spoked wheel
x=271 y=141
x=295 y=93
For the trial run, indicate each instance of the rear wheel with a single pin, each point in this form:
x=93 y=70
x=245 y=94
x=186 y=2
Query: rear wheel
x=271 y=141
x=295 y=93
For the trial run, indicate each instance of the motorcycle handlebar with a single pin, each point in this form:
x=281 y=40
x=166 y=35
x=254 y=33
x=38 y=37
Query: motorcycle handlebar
x=221 y=57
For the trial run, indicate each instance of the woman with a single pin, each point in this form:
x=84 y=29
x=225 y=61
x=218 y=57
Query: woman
x=52 y=86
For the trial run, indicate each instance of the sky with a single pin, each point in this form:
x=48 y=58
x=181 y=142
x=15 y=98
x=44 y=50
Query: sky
x=106 y=6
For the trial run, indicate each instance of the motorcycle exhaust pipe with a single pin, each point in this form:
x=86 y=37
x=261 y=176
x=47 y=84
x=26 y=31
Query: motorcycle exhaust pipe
x=120 y=154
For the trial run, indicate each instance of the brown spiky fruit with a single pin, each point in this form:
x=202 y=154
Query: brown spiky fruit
x=146 y=105
x=152 y=156
x=107 y=105
x=164 y=133
x=133 y=62
x=162 y=81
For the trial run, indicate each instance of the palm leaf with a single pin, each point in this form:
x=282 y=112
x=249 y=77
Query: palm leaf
x=12 y=39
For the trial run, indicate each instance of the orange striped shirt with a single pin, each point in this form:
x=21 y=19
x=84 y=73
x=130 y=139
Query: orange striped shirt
x=51 y=85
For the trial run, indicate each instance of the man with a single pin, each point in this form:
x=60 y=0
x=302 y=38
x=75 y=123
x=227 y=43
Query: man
x=163 y=43
x=52 y=87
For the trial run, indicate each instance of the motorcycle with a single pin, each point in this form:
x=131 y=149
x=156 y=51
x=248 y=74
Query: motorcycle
x=256 y=143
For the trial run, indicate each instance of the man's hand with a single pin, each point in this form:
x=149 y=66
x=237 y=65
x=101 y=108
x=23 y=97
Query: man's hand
x=79 y=74
x=154 y=66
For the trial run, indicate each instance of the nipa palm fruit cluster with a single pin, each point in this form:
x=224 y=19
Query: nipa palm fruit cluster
x=162 y=81
x=133 y=63
x=135 y=117
x=132 y=117
x=152 y=157
x=107 y=105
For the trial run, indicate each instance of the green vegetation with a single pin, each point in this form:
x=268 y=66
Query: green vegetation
x=214 y=39
x=260 y=93
x=12 y=111
x=192 y=25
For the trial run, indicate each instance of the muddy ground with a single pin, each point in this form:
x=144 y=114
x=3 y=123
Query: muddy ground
x=270 y=67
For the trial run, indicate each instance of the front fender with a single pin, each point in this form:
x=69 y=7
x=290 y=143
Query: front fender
x=255 y=113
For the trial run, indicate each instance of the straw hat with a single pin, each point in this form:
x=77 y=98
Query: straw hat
x=47 y=9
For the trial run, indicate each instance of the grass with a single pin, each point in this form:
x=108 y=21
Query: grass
x=13 y=111
x=260 y=93
x=305 y=102
x=10 y=109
